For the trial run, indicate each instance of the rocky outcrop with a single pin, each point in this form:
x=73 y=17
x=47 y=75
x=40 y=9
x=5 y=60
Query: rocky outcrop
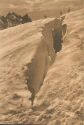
x=13 y=19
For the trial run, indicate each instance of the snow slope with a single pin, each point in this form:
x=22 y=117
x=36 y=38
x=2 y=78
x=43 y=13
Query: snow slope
x=27 y=55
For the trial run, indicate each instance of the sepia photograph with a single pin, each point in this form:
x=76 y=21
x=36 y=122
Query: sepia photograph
x=42 y=62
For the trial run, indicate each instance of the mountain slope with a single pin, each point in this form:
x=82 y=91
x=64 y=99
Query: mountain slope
x=57 y=78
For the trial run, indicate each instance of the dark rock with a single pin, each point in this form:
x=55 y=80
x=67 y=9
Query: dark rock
x=13 y=19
